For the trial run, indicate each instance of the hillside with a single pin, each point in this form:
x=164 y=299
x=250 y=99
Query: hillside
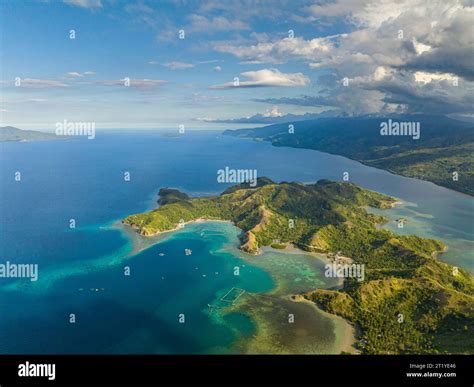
x=445 y=145
x=10 y=133
x=402 y=273
x=265 y=212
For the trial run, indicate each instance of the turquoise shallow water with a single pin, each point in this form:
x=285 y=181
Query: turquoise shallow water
x=460 y=245
x=83 y=180
x=138 y=313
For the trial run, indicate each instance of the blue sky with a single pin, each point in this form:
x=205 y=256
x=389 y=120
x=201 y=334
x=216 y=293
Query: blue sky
x=190 y=81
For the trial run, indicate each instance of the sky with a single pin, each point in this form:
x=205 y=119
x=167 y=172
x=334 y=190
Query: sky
x=220 y=63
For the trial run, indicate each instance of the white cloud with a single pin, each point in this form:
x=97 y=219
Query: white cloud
x=206 y=119
x=426 y=77
x=395 y=48
x=429 y=30
x=420 y=47
x=75 y=74
x=217 y=69
x=416 y=93
x=281 y=51
x=273 y=112
x=199 y=23
x=178 y=65
x=139 y=83
x=138 y=8
x=336 y=8
x=266 y=78
x=37 y=83
x=85 y=3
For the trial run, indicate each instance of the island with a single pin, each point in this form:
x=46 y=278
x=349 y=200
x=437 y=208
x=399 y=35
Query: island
x=408 y=301
x=443 y=153
x=10 y=133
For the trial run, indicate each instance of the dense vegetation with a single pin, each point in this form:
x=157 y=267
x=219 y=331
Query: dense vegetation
x=425 y=309
x=445 y=145
x=269 y=213
x=402 y=275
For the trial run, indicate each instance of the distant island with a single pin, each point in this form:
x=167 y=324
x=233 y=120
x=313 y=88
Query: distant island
x=408 y=300
x=10 y=133
x=443 y=153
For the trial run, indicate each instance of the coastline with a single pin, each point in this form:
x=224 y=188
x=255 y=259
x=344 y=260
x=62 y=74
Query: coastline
x=344 y=331
x=271 y=328
x=269 y=310
x=346 y=334
x=396 y=203
x=142 y=242
x=392 y=172
x=177 y=228
x=347 y=337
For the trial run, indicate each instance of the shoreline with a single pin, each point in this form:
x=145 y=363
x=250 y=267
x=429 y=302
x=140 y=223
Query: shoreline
x=142 y=242
x=348 y=335
x=323 y=257
x=347 y=338
x=180 y=226
x=344 y=331
x=257 y=139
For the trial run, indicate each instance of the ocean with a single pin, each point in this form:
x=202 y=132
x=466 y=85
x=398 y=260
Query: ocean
x=170 y=302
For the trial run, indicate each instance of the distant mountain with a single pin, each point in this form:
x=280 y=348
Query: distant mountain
x=10 y=133
x=269 y=119
x=443 y=153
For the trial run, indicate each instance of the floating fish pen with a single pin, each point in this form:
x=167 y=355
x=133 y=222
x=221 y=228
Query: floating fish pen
x=232 y=295
x=227 y=299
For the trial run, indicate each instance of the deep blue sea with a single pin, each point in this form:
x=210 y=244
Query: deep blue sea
x=81 y=270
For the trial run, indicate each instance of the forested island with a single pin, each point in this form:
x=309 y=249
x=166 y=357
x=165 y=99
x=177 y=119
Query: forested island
x=443 y=153
x=408 y=302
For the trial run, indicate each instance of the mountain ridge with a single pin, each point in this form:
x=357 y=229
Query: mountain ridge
x=444 y=154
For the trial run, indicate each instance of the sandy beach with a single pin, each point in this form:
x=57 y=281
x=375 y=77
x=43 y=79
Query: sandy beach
x=346 y=333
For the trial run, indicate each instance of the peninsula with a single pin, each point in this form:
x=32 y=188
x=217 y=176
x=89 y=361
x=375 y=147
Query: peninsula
x=408 y=302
